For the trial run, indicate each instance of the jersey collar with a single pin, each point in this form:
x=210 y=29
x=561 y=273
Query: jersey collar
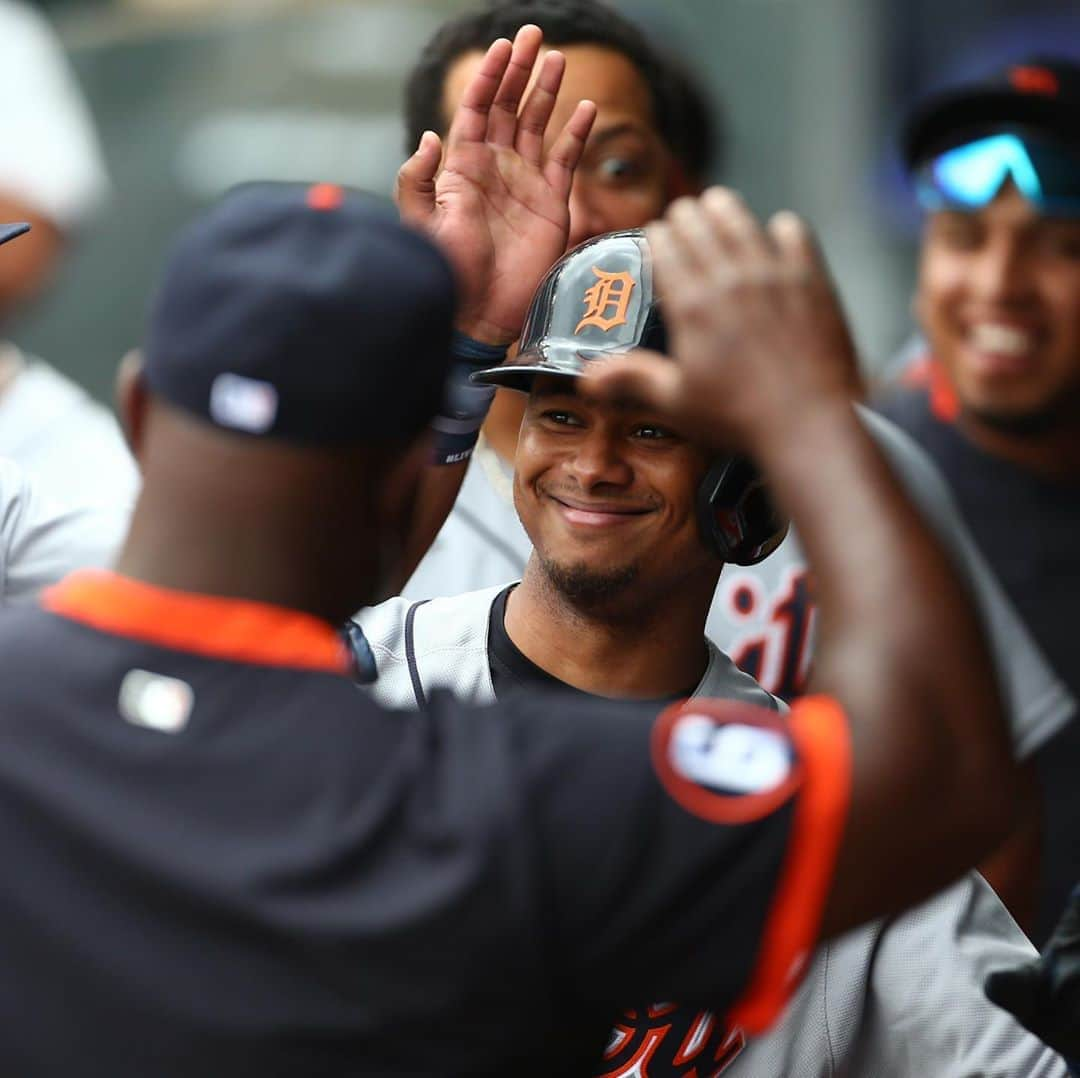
x=238 y=630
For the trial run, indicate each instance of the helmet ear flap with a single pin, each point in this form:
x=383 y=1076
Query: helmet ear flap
x=736 y=517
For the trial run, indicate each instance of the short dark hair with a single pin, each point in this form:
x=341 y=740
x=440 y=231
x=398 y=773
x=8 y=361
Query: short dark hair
x=684 y=118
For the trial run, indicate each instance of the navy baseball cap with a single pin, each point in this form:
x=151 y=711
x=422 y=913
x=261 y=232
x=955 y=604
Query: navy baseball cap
x=10 y=231
x=305 y=313
x=1039 y=95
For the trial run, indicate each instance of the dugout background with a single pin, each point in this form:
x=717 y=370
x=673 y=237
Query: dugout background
x=192 y=96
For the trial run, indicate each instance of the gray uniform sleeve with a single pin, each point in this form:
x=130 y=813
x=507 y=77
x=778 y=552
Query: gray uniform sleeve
x=925 y=1011
x=41 y=542
x=1038 y=702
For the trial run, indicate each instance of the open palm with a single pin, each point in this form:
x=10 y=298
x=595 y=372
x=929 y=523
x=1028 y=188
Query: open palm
x=499 y=205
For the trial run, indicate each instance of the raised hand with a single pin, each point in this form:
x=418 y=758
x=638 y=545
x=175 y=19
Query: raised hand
x=753 y=323
x=499 y=204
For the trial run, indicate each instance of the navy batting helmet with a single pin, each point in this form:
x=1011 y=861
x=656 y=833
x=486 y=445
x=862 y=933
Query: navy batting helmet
x=598 y=300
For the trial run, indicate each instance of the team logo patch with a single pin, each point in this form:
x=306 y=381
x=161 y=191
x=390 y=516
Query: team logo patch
x=607 y=301
x=725 y=762
x=155 y=701
x=243 y=403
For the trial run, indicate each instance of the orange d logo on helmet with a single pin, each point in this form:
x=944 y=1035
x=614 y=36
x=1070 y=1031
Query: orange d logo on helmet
x=607 y=301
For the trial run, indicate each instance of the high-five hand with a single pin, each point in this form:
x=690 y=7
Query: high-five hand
x=753 y=323
x=499 y=204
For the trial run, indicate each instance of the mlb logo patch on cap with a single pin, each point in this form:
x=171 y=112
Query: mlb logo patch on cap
x=246 y=404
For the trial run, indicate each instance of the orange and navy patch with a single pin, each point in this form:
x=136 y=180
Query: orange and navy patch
x=723 y=761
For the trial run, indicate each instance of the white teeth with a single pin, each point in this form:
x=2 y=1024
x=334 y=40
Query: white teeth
x=1004 y=340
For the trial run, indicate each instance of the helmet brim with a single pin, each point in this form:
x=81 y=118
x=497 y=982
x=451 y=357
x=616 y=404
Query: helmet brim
x=520 y=372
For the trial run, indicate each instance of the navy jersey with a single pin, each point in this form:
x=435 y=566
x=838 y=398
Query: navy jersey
x=221 y=858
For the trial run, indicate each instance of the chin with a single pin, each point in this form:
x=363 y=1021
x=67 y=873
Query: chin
x=586 y=585
x=1019 y=422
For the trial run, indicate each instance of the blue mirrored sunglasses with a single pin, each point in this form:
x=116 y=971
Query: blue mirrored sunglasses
x=968 y=177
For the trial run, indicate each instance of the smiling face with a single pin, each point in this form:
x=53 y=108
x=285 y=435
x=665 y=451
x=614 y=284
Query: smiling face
x=607 y=496
x=999 y=300
x=627 y=175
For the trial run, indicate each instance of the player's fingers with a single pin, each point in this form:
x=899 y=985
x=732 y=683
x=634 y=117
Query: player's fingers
x=796 y=245
x=674 y=270
x=503 y=118
x=536 y=112
x=691 y=233
x=736 y=226
x=414 y=190
x=567 y=149
x=470 y=122
x=641 y=376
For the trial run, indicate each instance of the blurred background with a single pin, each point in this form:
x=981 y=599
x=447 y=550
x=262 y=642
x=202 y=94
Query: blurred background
x=192 y=96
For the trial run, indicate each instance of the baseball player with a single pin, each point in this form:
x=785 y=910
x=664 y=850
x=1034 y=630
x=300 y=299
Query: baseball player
x=631 y=525
x=638 y=158
x=995 y=165
x=229 y=860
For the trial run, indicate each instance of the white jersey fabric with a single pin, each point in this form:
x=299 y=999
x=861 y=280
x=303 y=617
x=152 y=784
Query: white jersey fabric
x=755 y=614
x=449 y=652
x=69 y=445
x=41 y=542
x=893 y=999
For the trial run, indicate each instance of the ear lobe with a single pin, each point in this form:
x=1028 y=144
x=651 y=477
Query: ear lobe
x=132 y=399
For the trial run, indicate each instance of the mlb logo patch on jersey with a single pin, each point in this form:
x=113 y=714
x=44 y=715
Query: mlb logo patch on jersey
x=724 y=761
x=155 y=701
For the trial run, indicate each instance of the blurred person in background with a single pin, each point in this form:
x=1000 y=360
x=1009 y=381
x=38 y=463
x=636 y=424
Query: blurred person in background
x=40 y=541
x=996 y=167
x=52 y=175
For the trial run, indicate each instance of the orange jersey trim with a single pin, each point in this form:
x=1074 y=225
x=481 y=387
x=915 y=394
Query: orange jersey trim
x=820 y=731
x=239 y=630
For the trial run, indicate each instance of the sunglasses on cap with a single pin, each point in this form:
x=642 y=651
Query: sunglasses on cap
x=968 y=177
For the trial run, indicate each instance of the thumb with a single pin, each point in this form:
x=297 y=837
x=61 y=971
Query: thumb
x=641 y=375
x=1017 y=990
x=414 y=191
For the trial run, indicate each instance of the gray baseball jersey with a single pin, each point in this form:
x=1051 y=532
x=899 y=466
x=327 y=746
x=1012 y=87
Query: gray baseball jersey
x=893 y=999
x=41 y=542
x=763 y=615
x=69 y=445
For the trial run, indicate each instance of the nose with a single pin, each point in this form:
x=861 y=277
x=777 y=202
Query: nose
x=1001 y=274
x=598 y=462
x=586 y=220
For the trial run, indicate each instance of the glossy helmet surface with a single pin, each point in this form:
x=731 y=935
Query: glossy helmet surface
x=598 y=300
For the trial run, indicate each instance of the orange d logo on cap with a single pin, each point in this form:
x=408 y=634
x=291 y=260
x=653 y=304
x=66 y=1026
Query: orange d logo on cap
x=607 y=301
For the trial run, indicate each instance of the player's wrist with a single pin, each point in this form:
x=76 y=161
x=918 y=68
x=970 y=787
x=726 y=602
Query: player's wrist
x=483 y=332
x=465 y=405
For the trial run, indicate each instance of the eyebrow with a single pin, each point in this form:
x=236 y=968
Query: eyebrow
x=626 y=127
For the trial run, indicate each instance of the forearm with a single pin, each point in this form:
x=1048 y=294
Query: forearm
x=901 y=648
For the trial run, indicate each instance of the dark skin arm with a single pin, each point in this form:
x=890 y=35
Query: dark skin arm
x=498 y=205
x=762 y=363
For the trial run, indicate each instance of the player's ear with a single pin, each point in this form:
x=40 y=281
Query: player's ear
x=131 y=399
